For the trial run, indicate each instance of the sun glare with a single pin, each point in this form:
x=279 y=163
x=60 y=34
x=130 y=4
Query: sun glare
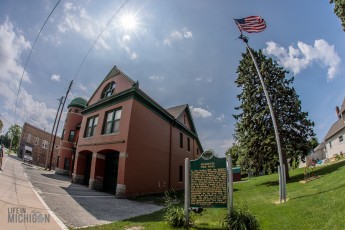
x=129 y=22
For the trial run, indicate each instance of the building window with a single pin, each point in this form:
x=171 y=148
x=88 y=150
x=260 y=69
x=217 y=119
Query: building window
x=76 y=110
x=67 y=163
x=63 y=134
x=108 y=90
x=57 y=162
x=197 y=151
x=181 y=140
x=71 y=136
x=37 y=140
x=180 y=173
x=184 y=119
x=330 y=144
x=70 y=110
x=44 y=144
x=112 y=121
x=91 y=126
x=341 y=139
x=188 y=143
x=28 y=138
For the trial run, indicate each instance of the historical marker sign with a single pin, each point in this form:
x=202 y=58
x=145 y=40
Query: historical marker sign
x=208 y=181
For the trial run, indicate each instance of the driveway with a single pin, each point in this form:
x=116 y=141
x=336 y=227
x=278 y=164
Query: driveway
x=77 y=205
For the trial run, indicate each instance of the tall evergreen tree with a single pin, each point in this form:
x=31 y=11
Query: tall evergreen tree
x=254 y=131
x=339 y=10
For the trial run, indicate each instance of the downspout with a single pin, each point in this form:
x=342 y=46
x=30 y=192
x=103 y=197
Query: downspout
x=170 y=153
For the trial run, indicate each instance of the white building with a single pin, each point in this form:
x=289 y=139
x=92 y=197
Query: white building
x=334 y=139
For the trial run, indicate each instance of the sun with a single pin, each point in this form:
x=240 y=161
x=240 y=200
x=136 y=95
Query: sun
x=128 y=22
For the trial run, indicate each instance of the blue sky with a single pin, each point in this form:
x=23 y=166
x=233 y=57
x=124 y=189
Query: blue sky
x=180 y=52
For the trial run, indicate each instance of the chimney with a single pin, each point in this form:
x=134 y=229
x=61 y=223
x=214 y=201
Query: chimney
x=337 y=112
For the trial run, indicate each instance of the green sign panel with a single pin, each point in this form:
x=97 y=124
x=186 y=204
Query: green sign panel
x=208 y=181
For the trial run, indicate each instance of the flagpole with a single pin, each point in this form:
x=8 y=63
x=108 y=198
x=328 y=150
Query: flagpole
x=282 y=181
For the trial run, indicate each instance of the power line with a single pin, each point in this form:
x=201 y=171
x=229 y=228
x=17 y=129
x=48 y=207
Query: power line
x=99 y=35
x=27 y=60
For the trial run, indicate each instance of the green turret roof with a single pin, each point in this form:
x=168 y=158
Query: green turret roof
x=78 y=102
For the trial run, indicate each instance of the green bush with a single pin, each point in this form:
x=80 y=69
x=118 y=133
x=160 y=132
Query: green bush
x=174 y=210
x=240 y=219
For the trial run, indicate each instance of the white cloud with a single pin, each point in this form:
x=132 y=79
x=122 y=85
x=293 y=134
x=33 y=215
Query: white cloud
x=78 y=20
x=12 y=44
x=200 y=112
x=55 y=77
x=300 y=58
x=220 y=118
x=177 y=36
x=124 y=44
x=157 y=78
x=82 y=87
x=187 y=34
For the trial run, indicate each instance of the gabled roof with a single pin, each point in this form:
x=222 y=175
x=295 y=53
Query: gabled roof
x=112 y=73
x=336 y=127
x=177 y=110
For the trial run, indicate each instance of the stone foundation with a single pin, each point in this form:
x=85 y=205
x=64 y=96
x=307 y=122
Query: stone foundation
x=120 y=191
x=62 y=172
x=96 y=183
x=78 y=179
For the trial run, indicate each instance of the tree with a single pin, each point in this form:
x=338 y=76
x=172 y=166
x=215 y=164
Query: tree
x=1 y=126
x=14 y=133
x=254 y=131
x=339 y=10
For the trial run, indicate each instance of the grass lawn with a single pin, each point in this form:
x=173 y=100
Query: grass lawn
x=318 y=204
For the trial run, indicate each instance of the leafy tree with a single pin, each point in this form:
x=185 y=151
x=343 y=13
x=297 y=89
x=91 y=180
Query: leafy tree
x=1 y=126
x=254 y=131
x=14 y=133
x=339 y=10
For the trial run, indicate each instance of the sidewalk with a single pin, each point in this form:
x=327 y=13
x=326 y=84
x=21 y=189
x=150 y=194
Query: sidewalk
x=20 y=206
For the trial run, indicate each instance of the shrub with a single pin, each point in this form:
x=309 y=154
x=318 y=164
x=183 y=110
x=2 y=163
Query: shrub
x=240 y=219
x=174 y=210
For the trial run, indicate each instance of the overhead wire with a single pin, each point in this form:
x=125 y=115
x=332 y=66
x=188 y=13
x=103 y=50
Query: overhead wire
x=27 y=60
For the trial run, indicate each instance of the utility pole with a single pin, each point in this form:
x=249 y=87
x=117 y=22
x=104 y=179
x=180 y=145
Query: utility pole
x=52 y=133
x=58 y=122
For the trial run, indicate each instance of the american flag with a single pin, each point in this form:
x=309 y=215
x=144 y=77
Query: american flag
x=251 y=24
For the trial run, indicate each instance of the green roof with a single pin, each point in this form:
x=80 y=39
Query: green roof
x=78 y=102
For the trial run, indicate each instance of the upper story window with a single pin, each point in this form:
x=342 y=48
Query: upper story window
x=71 y=135
x=91 y=126
x=45 y=144
x=76 y=110
x=63 y=133
x=112 y=121
x=188 y=143
x=330 y=144
x=108 y=90
x=341 y=139
x=28 y=138
x=181 y=140
x=37 y=140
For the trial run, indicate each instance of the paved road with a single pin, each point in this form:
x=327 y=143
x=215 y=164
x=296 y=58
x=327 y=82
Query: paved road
x=78 y=206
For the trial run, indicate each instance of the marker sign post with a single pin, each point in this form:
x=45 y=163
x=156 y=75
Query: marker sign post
x=208 y=181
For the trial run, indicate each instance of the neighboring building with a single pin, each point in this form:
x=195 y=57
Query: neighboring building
x=128 y=144
x=34 y=145
x=69 y=137
x=320 y=152
x=334 y=139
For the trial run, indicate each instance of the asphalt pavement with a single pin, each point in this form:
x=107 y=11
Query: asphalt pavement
x=77 y=205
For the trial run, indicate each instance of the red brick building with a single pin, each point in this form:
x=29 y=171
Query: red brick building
x=128 y=144
x=34 y=144
x=70 y=135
